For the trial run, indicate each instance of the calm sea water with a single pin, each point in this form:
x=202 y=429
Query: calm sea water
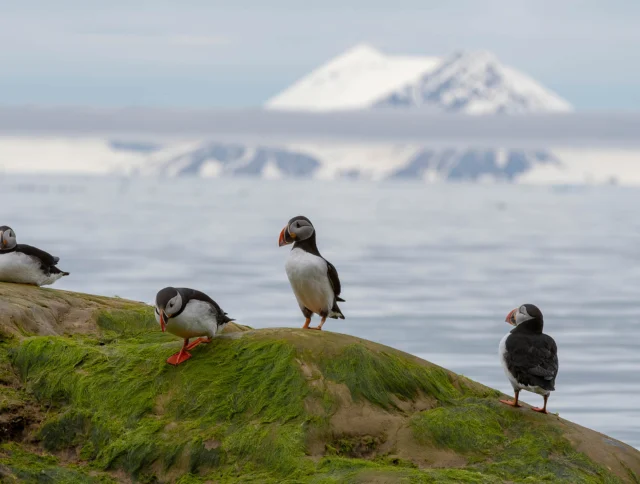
x=431 y=270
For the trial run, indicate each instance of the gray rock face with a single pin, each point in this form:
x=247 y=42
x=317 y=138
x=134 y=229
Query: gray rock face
x=233 y=160
x=471 y=165
x=474 y=83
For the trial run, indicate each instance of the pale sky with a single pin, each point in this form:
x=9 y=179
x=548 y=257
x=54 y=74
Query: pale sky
x=237 y=54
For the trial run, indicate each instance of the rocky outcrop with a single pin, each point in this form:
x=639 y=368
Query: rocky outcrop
x=86 y=396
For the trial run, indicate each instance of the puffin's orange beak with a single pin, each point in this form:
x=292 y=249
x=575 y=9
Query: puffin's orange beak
x=286 y=237
x=511 y=317
x=283 y=239
x=163 y=321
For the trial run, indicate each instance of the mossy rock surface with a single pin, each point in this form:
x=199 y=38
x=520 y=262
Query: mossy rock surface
x=86 y=396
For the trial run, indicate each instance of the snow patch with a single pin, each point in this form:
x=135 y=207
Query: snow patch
x=64 y=155
x=271 y=171
x=211 y=169
x=582 y=167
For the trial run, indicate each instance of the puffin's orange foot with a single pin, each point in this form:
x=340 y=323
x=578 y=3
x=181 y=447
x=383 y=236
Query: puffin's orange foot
x=319 y=328
x=512 y=403
x=539 y=410
x=178 y=358
x=190 y=346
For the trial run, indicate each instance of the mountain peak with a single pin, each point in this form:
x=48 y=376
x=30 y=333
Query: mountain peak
x=474 y=55
x=362 y=51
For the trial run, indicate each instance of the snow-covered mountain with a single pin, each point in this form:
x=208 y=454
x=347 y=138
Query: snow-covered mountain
x=466 y=82
x=361 y=78
x=323 y=161
x=364 y=78
x=381 y=162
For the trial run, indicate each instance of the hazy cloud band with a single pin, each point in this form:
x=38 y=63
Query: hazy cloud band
x=585 y=130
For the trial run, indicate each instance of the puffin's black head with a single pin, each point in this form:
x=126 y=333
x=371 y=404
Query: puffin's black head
x=7 y=238
x=299 y=228
x=526 y=312
x=168 y=303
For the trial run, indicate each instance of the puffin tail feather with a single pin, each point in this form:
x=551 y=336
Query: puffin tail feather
x=338 y=298
x=335 y=312
x=56 y=271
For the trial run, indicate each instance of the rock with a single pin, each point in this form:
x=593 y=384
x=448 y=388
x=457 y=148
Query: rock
x=87 y=397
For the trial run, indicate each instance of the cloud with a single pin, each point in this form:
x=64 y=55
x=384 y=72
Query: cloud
x=134 y=39
x=571 y=130
x=198 y=40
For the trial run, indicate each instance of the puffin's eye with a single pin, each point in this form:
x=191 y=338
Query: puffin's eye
x=297 y=225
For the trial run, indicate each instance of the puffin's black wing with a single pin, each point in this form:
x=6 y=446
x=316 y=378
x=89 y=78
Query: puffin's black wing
x=532 y=359
x=45 y=258
x=193 y=294
x=334 y=280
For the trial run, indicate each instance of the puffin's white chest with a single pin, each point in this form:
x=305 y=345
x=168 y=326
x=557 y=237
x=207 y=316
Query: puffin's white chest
x=309 y=280
x=23 y=269
x=502 y=352
x=197 y=319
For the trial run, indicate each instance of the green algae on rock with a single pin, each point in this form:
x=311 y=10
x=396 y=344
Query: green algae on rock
x=87 y=377
x=19 y=465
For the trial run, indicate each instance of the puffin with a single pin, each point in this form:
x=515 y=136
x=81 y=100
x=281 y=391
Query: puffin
x=529 y=357
x=24 y=264
x=188 y=313
x=314 y=279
